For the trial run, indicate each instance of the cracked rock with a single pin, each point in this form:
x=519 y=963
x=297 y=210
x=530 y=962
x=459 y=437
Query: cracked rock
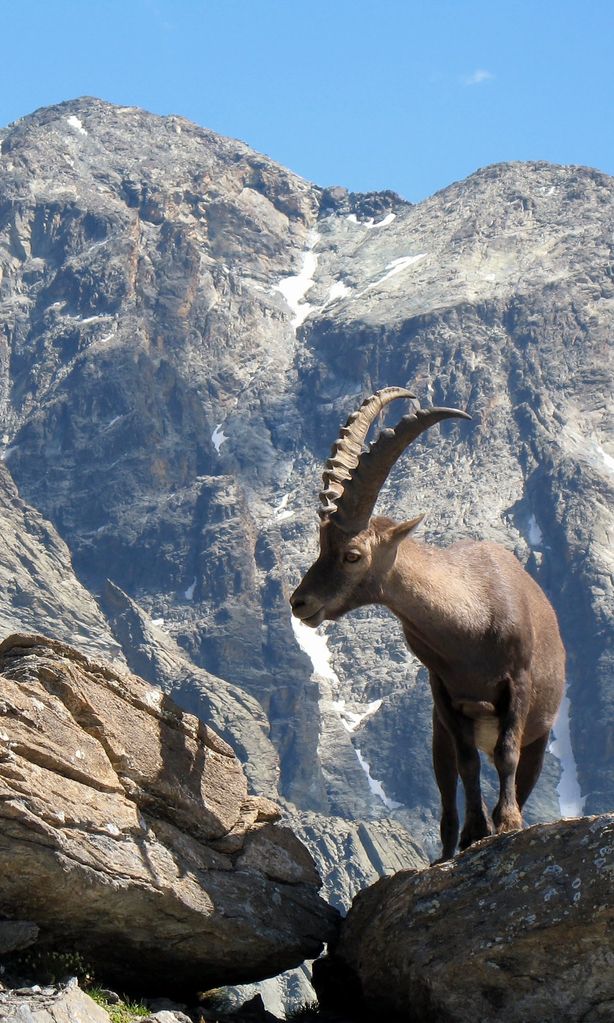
x=112 y=802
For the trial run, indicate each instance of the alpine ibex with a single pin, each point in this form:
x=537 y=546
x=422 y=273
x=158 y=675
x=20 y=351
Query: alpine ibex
x=470 y=613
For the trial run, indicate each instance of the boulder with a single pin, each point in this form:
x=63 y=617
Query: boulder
x=128 y=833
x=16 y=934
x=63 y=1004
x=519 y=927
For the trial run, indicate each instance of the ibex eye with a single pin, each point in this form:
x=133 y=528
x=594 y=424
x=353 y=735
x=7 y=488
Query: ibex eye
x=352 y=556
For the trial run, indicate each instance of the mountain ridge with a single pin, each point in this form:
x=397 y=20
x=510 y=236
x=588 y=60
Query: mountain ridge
x=185 y=324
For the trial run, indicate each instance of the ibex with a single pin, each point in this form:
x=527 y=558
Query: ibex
x=470 y=613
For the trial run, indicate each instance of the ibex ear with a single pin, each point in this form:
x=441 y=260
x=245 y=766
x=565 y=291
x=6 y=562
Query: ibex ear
x=398 y=533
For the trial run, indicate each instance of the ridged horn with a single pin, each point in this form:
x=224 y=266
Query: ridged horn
x=360 y=493
x=347 y=449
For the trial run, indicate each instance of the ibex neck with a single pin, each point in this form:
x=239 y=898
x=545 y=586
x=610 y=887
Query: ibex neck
x=431 y=594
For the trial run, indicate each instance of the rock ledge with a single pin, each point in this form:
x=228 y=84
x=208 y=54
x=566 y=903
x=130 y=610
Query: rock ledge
x=520 y=927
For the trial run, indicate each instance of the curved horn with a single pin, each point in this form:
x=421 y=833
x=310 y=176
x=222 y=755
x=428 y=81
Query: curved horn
x=346 y=451
x=361 y=491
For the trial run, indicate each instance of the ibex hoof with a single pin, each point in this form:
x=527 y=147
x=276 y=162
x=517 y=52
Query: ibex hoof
x=507 y=820
x=474 y=830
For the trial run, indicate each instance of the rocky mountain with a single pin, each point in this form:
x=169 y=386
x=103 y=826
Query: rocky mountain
x=183 y=326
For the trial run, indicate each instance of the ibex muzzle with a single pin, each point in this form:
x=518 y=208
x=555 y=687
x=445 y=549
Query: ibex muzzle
x=470 y=613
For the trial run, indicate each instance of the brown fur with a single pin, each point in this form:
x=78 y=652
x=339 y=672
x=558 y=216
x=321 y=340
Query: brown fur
x=489 y=638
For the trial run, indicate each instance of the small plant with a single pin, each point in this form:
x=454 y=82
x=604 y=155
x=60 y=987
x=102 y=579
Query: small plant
x=46 y=966
x=304 y=1012
x=119 y=1012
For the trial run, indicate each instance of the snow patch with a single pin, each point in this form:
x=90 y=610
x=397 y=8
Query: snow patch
x=571 y=799
x=384 y=222
x=218 y=437
x=281 y=512
x=157 y=621
x=588 y=449
x=534 y=534
x=315 y=645
x=349 y=718
x=397 y=266
x=369 y=223
x=189 y=593
x=337 y=290
x=76 y=123
x=600 y=458
x=295 y=288
x=376 y=786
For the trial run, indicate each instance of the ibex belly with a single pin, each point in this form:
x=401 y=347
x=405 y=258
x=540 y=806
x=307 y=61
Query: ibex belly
x=486 y=733
x=485 y=723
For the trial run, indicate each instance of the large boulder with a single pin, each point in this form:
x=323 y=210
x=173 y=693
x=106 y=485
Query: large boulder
x=128 y=833
x=520 y=927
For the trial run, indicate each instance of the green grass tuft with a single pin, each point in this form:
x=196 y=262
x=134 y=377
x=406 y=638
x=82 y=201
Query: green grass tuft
x=119 y=1012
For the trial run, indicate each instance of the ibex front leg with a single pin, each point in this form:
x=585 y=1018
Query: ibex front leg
x=460 y=729
x=506 y=814
x=446 y=775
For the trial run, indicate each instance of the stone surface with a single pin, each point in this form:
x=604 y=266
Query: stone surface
x=167 y=1016
x=67 y=1004
x=236 y=715
x=520 y=927
x=38 y=584
x=184 y=326
x=16 y=934
x=129 y=835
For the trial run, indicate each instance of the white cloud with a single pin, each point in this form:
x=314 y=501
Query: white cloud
x=477 y=77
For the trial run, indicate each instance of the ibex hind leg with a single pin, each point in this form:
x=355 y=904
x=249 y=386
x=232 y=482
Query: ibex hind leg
x=477 y=823
x=529 y=768
x=455 y=733
x=446 y=775
x=507 y=753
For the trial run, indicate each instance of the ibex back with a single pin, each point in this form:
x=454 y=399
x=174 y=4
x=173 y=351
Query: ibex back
x=473 y=616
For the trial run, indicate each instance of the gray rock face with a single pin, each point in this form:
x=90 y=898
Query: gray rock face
x=128 y=833
x=38 y=584
x=68 y=1004
x=184 y=326
x=16 y=934
x=517 y=928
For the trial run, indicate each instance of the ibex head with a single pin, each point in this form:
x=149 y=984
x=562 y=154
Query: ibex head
x=356 y=551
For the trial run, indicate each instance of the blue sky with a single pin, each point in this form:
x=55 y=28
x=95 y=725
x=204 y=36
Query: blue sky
x=402 y=94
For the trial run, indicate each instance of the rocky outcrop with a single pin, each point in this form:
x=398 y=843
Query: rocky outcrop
x=62 y=1004
x=38 y=586
x=520 y=927
x=129 y=835
x=233 y=713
